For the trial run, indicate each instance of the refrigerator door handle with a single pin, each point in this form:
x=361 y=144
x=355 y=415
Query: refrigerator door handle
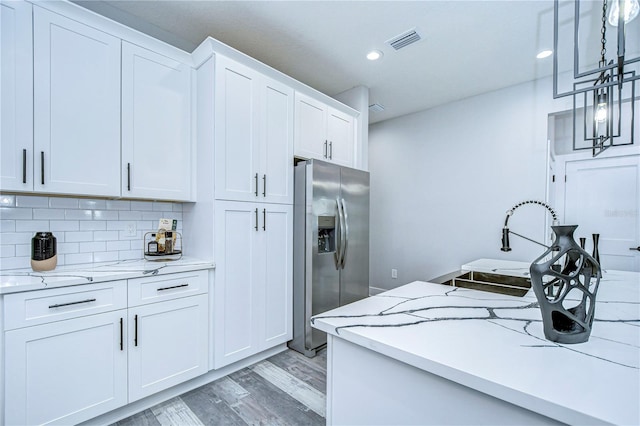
x=337 y=256
x=345 y=218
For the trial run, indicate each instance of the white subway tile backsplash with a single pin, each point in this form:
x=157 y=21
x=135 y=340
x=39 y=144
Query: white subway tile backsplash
x=162 y=206
x=118 y=245
x=77 y=258
x=7 y=200
x=7 y=251
x=64 y=225
x=63 y=203
x=7 y=225
x=93 y=225
x=105 y=235
x=93 y=204
x=87 y=230
x=155 y=216
x=130 y=254
x=22 y=249
x=80 y=236
x=118 y=205
x=32 y=225
x=16 y=237
x=142 y=205
x=48 y=214
x=31 y=201
x=93 y=246
x=129 y=215
x=65 y=248
x=105 y=215
x=105 y=256
x=15 y=213
x=78 y=214
x=15 y=262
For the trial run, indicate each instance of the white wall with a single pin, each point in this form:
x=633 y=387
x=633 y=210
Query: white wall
x=442 y=180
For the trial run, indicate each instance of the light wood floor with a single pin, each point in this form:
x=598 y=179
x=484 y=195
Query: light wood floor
x=286 y=389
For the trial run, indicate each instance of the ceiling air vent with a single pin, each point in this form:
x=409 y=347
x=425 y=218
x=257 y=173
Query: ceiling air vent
x=404 y=39
x=376 y=108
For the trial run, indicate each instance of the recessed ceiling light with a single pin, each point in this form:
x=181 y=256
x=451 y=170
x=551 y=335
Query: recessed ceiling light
x=544 y=54
x=374 y=55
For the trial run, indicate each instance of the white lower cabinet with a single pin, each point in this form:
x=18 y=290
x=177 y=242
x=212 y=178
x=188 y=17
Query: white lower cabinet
x=252 y=299
x=66 y=372
x=169 y=344
x=68 y=361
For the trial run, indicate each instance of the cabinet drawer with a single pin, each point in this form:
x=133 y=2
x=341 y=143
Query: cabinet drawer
x=43 y=306
x=167 y=287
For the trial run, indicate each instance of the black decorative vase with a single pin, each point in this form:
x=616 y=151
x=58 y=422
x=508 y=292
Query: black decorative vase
x=567 y=297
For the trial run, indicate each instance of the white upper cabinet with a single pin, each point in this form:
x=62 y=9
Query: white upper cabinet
x=76 y=107
x=322 y=132
x=156 y=126
x=16 y=138
x=340 y=134
x=253 y=135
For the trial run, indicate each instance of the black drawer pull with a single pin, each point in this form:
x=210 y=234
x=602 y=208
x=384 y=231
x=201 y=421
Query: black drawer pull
x=59 y=305
x=135 y=335
x=42 y=167
x=173 y=286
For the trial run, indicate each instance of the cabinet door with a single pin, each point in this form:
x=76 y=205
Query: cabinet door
x=168 y=344
x=76 y=107
x=276 y=149
x=236 y=142
x=67 y=371
x=340 y=134
x=235 y=334
x=156 y=126
x=16 y=131
x=275 y=280
x=310 y=128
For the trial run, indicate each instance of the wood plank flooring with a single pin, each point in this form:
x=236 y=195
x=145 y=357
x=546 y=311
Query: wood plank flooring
x=286 y=389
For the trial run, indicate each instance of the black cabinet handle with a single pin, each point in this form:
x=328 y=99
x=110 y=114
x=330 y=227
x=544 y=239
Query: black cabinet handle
x=264 y=185
x=24 y=166
x=128 y=176
x=121 y=335
x=634 y=248
x=325 y=149
x=331 y=150
x=59 y=305
x=173 y=286
x=256 y=177
x=135 y=332
x=256 y=219
x=42 y=167
x=264 y=219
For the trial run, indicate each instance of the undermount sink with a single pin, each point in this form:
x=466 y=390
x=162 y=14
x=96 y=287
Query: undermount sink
x=484 y=281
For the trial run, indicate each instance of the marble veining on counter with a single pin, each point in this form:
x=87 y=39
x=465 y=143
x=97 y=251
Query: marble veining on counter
x=495 y=344
x=17 y=280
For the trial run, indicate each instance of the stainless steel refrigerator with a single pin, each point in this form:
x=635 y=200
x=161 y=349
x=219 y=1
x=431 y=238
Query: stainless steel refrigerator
x=330 y=245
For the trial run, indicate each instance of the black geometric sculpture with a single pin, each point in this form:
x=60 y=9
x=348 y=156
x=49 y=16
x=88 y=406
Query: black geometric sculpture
x=567 y=295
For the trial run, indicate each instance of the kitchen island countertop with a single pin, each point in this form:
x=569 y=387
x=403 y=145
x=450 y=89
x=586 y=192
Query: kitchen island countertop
x=17 y=280
x=495 y=344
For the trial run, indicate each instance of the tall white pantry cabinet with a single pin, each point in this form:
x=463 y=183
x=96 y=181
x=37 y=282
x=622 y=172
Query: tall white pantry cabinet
x=253 y=213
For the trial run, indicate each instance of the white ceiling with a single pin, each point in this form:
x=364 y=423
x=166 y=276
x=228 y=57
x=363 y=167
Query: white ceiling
x=468 y=47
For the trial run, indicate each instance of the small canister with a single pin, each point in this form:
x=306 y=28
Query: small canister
x=44 y=253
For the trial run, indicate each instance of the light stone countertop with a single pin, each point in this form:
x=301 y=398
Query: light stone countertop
x=495 y=344
x=17 y=280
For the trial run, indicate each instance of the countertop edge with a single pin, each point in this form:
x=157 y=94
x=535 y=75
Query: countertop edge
x=21 y=280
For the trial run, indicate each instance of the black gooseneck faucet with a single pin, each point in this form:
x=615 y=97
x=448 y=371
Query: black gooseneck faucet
x=506 y=231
